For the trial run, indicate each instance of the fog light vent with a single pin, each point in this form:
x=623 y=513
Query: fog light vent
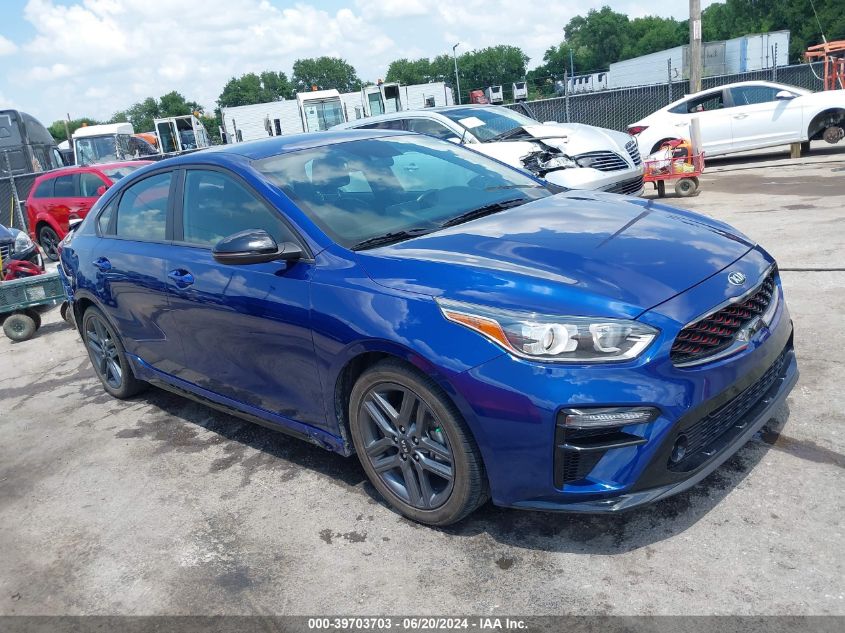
x=679 y=450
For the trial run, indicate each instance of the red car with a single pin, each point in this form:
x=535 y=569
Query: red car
x=65 y=194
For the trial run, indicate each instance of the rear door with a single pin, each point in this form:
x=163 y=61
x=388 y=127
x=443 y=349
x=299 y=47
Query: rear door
x=89 y=185
x=714 y=119
x=245 y=329
x=131 y=262
x=759 y=119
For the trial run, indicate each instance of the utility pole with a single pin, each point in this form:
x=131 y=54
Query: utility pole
x=695 y=57
x=457 y=79
x=571 y=64
x=67 y=130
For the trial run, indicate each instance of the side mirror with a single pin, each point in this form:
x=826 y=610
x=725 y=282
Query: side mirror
x=73 y=223
x=784 y=95
x=101 y=190
x=253 y=246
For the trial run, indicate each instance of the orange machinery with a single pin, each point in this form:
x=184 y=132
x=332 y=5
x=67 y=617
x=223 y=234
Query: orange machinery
x=833 y=56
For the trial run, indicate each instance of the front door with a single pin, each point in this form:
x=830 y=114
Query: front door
x=245 y=329
x=759 y=119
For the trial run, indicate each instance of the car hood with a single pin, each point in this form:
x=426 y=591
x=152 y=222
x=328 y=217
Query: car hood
x=577 y=252
x=572 y=139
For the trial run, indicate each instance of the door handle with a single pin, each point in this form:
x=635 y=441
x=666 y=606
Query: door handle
x=740 y=116
x=102 y=264
x=181 y=278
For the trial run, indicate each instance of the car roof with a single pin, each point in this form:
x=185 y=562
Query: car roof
x=264 y=148
x=71 y=169
x=738 y=84
x=392 y=116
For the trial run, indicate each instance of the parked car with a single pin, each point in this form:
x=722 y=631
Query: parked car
x=446 y=317
x=745 y=116
x=571 y=155
x=16 y=245
x=62 y=195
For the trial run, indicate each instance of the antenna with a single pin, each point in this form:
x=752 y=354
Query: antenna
x=821 y=30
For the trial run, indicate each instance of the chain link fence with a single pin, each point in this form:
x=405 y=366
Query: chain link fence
x=617 y=108
x=14 y=191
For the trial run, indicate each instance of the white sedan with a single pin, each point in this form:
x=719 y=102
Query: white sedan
x=745 y=116
x=571 y=155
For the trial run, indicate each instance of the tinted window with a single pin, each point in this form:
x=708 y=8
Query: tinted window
x=432 y=128
x=88 y=185
x=416 y=182
x=749 y=95
x=142 y=212
x=216 y=206
x=105 y=218
x=705 y=103
x=45 y=189
x=394 y=124
x=63 y=187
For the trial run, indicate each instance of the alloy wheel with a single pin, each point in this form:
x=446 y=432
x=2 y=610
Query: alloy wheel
x=104 y=352
x=406 y=446
x=49 y=242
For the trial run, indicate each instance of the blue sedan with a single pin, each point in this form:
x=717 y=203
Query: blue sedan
x=468 y=331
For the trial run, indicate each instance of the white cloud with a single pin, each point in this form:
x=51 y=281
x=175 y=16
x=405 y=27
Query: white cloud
x=94 y=57
x=7 y=47
x=7 y=104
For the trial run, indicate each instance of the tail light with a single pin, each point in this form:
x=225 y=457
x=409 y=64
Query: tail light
x=633 y=130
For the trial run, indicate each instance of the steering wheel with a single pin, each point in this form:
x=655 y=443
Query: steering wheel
x=428 y=198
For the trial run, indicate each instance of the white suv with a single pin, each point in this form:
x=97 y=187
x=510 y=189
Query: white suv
x=745 y=116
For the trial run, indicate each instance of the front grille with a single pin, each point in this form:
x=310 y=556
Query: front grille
x=603 y=161
x=634 y=152
x=5 y=251
x=717 y=331
x=713 y=425
x=628 y=187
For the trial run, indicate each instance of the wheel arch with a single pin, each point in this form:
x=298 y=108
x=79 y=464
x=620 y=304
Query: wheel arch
x=821 y=120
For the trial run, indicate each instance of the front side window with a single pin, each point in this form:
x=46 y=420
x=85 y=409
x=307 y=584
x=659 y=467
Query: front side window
x=63 y=187
x=88 y=185
x=431 y=128
x=414 y=182
x=391 y=124
x=216 y=206
x=142 y=211
x=750 y=95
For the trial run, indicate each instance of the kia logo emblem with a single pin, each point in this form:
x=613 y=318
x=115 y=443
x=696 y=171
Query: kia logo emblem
x=736 y=278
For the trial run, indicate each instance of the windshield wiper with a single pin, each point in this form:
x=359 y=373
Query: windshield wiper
x=487 y=209
x=498 y=187
x=503 y=135
x=391 y=238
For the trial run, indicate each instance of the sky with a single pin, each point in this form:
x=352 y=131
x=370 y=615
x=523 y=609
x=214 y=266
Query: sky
x=95 y=57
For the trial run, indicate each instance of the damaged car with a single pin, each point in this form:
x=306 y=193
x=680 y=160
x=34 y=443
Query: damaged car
x=571 y=155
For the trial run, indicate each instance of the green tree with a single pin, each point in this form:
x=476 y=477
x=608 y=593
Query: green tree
x=252 y=88
x=408 y=72
x=496 y=65
x=142 y=114
x=57 y=129
x=325 y=73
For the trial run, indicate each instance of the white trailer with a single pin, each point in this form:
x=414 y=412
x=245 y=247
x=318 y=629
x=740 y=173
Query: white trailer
x=180 y=133
x=310 y=111
x=520 y=91
x=494 y=94
x=103 y=143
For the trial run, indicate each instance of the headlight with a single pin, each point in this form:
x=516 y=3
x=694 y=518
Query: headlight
x=558 y=339
x=22 y=242
x=558 y=162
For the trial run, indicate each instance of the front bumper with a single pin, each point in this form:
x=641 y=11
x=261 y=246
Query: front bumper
x=595 y=180
x=512 y=407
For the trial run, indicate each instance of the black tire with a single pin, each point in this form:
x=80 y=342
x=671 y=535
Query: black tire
x=49 y=241
x=66 y=312
x=659 y=143
x=108 y=357
x=410 y=452
x=661 y=188
x=35 y=316
x=685 y=187
x=19 y=326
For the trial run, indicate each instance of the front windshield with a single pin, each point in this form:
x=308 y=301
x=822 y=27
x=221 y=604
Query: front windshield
x=495 y=121
x=361 y=190
x=96 y=149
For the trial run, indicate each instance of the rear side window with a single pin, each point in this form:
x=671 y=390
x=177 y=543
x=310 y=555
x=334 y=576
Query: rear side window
x=105 y=219
x=704 y=103
x=750 y=95
x=63 y=187
x=88 y=185
x=45 y=189
x=216 y=206
x=142 y=211
x=394 y=124
x=432 y=128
